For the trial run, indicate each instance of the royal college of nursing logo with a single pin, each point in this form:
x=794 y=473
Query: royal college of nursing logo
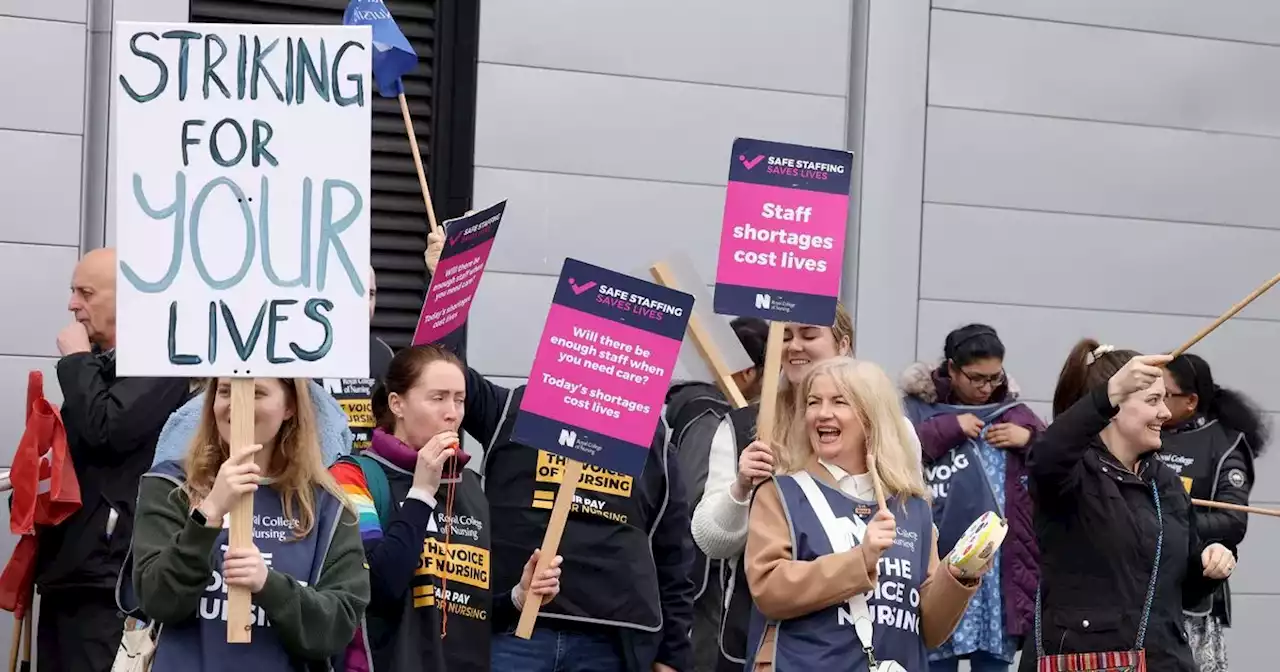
x=769 y=302
x=568 y=438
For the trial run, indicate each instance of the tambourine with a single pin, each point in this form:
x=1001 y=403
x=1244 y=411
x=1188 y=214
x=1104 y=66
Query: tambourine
x=978 y=544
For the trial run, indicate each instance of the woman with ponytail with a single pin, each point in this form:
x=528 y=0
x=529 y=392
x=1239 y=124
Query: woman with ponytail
x=1211 y=440
x=1120 y=553
x=424 y=522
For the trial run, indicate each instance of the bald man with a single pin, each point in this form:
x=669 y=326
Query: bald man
x=112 y=426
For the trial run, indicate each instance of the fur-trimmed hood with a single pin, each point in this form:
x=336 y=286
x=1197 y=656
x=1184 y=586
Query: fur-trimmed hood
x=920 y=380
x=331 y=426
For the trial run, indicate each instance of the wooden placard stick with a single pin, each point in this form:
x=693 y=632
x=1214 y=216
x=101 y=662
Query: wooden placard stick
x=27 y=619
x=417 y=163
x=1262 y=289
x=239 y=600
x=1236 y=507
x=17 y=642
x=550 y=543
x=875 y=481
x=703 y=342
x=768 y=416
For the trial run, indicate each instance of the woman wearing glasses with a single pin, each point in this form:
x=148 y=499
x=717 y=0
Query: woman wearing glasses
x=974 y=435
x=1211 y=439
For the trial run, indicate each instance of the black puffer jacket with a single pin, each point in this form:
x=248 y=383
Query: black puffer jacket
x=1097 y=528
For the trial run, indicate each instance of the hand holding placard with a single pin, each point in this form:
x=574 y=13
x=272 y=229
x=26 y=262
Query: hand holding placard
x=460 y=254
x=598 y=382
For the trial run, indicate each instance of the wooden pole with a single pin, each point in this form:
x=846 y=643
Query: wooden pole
x=417 y=163
x=768 y=416
x=550 y=543
x=1262 y=289
x=703 y=342
x=875 y=481
x=1235 y=507
x=17 y=643
x=27 y=618
x=239 y=600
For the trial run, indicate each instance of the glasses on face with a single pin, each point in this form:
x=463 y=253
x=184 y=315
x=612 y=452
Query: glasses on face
x=980 y=381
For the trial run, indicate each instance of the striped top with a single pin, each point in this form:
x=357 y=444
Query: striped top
x=351 y=478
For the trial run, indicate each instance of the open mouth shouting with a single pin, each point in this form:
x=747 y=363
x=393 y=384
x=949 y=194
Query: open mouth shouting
x=828 y=434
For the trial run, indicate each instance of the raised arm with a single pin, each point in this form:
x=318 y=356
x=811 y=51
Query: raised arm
x=485 y=401
x=719 y=520
x=938 y=435
x=1055 y=461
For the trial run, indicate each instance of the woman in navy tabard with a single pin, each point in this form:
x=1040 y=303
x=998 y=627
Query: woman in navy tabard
x=839 y=584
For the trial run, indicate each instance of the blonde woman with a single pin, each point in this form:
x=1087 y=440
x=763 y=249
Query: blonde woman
x=737 y=463
x=306 y=570
x=837 y=583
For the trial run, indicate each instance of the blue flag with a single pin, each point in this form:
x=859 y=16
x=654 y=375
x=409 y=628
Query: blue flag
x=393 y=56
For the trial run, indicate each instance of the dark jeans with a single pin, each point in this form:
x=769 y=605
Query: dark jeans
x=979 y=661
x=555 y=651
x=79 y=631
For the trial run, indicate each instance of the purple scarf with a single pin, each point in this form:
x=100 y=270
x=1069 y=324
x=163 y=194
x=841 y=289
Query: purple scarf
x=404 y=456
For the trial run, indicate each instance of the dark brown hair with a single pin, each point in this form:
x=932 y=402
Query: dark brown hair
x=1083 y=372
x=402 y=374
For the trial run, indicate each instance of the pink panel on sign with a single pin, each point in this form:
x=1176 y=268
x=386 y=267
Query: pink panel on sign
x=600 y=375
x=784 y=239
x=449 y=298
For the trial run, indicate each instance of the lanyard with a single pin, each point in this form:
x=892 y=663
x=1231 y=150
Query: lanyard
x=844 y=534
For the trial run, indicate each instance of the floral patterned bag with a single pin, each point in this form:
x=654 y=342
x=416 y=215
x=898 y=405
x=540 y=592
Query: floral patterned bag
x=1107 y=661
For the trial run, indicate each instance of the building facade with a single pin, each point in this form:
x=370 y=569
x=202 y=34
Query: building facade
x=1056 y=169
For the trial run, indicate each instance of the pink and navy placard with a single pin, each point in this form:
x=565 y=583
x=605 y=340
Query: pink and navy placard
x=468 y=241
x=782 y=244
x=601 y=371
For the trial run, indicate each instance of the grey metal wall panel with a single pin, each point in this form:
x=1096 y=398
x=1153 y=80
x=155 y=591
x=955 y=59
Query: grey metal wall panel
x=1244 y=20
x=764 y=44
x=1111 y=75
x=1008 y=160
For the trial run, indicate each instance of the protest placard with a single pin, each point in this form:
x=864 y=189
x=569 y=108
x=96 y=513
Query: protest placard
x=598 y=382
x=600 y=373
x=241 y=158
x=468 y=241
x=241 y=166
x=782 y=244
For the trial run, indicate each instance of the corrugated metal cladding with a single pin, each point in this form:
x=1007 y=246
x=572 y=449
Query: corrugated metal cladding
x=399 y=217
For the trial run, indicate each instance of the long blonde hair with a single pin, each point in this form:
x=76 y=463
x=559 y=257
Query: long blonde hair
x=874 y=398
x=296 y=464
x=789 y=402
